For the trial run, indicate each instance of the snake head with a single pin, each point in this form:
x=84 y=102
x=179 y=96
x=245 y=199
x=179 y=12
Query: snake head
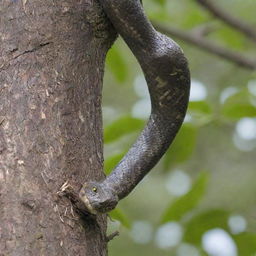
x=97 y=197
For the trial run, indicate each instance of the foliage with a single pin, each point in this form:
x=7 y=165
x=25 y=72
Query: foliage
x=118 y=214
x=182 y=147
x=238 y=106
x=122 y=127
x=182 y=205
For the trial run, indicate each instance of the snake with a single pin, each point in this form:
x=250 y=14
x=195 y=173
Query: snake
x=167 y=74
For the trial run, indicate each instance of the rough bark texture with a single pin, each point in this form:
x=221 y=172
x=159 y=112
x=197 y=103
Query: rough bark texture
x=51 y=66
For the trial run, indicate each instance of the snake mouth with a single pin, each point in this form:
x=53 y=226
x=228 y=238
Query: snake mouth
x=87 y=203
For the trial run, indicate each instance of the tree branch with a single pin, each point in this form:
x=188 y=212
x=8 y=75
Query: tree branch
x=229 y=19
x=208 y=46
x=112 y=236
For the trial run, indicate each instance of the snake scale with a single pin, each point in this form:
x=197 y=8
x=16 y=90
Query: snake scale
x=167 y=74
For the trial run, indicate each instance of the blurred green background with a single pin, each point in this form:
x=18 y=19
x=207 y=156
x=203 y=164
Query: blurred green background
x=201 y=198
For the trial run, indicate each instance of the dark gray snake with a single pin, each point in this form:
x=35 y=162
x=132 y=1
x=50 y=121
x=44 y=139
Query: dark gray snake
x=167 y=75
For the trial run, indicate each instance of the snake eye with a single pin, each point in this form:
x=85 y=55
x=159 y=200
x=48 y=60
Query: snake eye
x=94 y=189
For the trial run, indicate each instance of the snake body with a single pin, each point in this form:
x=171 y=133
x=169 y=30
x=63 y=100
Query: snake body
x=166 y=72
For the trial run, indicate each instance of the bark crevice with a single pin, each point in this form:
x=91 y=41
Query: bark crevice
x=39 y=47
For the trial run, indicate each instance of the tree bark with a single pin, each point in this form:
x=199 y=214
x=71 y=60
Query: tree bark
x=51 y=66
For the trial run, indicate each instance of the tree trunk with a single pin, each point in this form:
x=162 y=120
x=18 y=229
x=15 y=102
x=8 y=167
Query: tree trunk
x=51 y=66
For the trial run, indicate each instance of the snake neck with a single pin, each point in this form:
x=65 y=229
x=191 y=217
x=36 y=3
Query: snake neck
x=166 y=71
x=168 y=79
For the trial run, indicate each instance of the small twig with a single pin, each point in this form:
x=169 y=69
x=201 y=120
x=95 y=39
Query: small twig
x=232 y=21
x=208 y=46
x=112 y=236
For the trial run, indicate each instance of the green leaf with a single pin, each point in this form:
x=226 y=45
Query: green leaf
x=118 y=214
x=246 y=244
x=201 y=107
x=186 y=203
x=121 y=127
x=116 y=63
x=198 y=225
x=238 y=106
x=195 y=17
x=230 y=37
x=111 y=162
x=182 y=147
x=200 y=111
x=160 y=2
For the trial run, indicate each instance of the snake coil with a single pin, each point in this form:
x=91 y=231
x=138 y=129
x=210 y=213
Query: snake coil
x=166 y=71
